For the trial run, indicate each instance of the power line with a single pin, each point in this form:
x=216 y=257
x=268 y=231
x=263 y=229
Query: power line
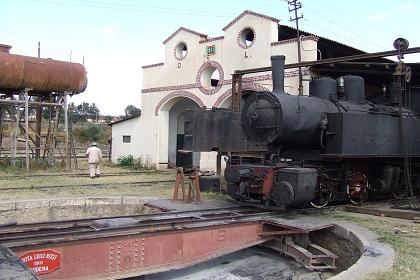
x=343 y=28
x=346 y=39
x=131 y=7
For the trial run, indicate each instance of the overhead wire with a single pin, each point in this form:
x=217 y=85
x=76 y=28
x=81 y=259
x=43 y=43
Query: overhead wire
x=329 y=20
x=132 y=7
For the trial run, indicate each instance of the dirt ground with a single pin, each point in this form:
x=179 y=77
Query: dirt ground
x=402 y=235
x=28 y=187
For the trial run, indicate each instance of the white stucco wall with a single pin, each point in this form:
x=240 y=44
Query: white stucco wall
x=129 y=128
x=166 y=83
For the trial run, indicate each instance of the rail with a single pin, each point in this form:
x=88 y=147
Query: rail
x=130 y=246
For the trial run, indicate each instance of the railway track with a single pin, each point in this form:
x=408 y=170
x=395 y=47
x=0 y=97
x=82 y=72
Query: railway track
x=95 y=185
x=81 y=174
x=18 y=235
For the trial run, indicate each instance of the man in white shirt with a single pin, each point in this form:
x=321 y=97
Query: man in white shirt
x=94 y=156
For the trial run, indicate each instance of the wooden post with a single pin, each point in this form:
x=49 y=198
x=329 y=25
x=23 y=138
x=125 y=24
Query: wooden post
x=66 y=131
x=15 y=129
x=26 y=131
x=54 y=131
x=2 y=110
x=48 y=140
x=38 y=127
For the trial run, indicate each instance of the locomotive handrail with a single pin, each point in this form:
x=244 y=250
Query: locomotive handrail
x=332 y=60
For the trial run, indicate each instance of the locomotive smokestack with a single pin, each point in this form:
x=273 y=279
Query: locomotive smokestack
x=277 y=72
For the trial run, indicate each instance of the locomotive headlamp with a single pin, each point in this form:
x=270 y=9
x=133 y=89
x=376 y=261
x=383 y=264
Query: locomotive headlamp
x=401 y=44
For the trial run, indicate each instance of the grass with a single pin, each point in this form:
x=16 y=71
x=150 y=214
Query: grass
x=28 y=186
x=406 y=245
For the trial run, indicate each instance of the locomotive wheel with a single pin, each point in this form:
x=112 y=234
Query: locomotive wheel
x=323 y=194
x=357 y=188
x=232 y=190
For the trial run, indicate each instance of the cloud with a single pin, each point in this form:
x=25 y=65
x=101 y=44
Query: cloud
x=378 y=17
x=409 y=7
x=109 y=31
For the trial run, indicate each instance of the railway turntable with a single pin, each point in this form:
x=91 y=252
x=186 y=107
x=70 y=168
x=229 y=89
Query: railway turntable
x=121 y=247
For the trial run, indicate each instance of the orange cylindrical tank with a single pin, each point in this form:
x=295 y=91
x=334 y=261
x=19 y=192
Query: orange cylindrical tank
x=40 y=74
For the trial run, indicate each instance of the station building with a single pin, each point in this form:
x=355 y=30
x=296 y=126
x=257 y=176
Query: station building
x=197 y=72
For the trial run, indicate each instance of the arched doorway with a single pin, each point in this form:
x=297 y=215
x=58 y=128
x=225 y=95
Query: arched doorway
x=225 y=99
x=171 y=132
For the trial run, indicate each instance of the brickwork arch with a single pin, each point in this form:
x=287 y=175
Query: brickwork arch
x=246 y=86
x=175 y=94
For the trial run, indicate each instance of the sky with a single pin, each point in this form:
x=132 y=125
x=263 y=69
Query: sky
x=115 y=38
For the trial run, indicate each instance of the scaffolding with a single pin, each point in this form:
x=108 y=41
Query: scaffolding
x=24 y=135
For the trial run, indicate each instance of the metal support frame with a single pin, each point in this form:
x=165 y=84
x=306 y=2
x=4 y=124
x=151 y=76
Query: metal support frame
x=192 y=194
x=311 y=255
x=331 y=60
x=236 y=92
x=237 y=76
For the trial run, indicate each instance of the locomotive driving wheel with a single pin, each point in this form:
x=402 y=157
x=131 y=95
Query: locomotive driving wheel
x=324 y=192
x=357 y=188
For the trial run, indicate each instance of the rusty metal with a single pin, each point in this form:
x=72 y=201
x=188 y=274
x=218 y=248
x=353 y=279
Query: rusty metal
x=30 y=103
x=41 y=75
x=192 y=192
x=357 y=188
x=119 y=248
x=311 y=255
x=332 y=60
x=236 y=92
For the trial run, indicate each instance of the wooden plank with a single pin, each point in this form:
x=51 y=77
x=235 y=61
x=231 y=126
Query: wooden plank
x=393 y=213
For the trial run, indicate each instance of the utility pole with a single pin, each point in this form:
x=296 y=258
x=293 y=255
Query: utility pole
x=294 y=7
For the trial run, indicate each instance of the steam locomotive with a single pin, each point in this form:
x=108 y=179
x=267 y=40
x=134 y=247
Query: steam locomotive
x=287 y=150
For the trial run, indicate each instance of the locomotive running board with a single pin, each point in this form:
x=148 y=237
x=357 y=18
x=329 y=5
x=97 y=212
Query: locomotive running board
x=147 y=244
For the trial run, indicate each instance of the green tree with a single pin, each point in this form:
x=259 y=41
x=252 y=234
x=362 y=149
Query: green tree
x=91 y=133
x=132 y=111
x=108 y=119
x=93 y=112
x=82 y=111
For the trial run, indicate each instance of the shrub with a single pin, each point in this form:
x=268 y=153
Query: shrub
x=126 y=161
x=136 y=164
x=91 y=133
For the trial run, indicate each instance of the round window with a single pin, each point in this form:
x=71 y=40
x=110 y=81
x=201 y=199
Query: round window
x=246 y=37
x=210 y=77
x=181 y=50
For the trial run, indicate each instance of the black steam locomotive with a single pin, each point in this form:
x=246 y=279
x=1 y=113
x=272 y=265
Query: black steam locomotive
x=290 y=150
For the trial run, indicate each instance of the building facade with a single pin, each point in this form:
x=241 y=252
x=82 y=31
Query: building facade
x=197 y=72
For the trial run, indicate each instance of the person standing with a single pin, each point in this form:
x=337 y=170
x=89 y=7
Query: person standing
x=94 y=156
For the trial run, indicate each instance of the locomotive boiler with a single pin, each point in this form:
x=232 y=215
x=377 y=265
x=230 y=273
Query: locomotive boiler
x=292 y=150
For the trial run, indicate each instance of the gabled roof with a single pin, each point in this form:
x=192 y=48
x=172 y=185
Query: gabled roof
x=247 y=12
x=186 y=30
x=123 y=120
